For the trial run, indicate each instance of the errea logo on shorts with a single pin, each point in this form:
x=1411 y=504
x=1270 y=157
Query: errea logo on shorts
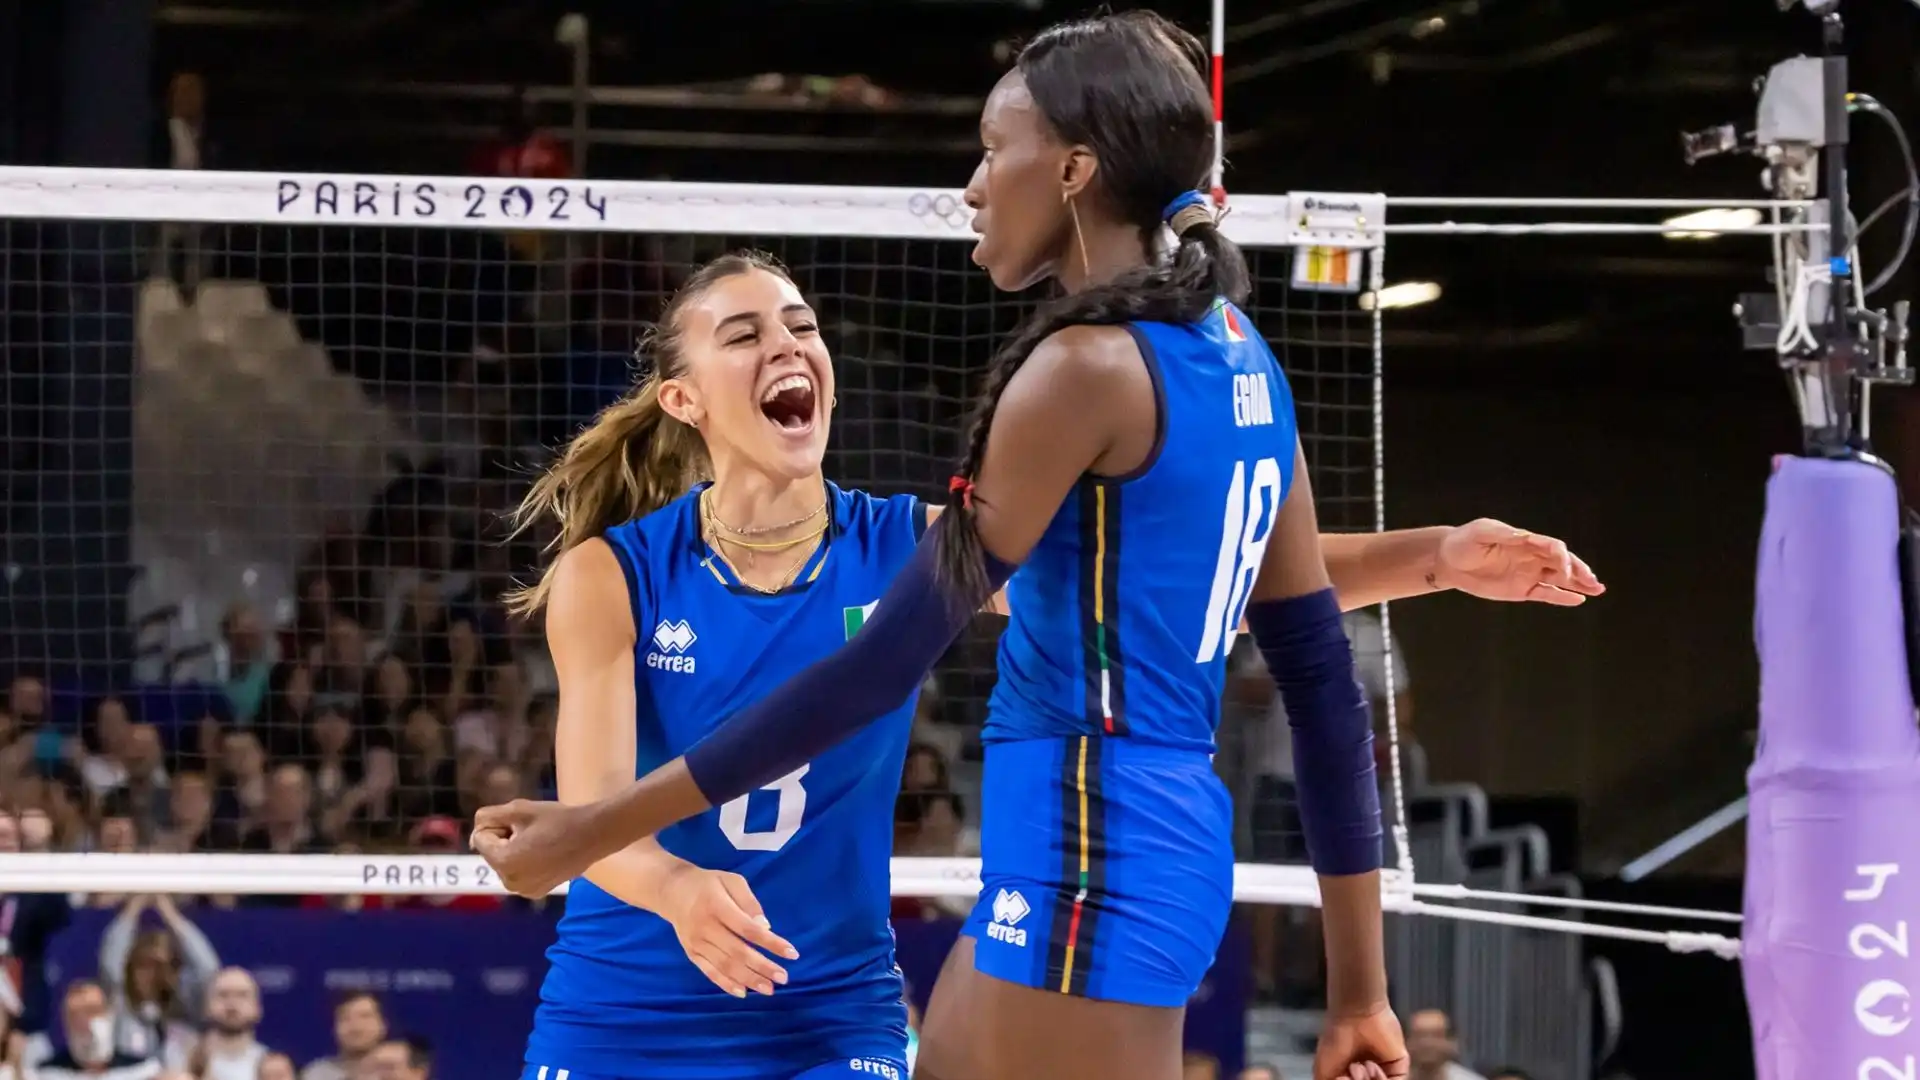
x=874 y=1067
x=671 y=640
x=1009 y=907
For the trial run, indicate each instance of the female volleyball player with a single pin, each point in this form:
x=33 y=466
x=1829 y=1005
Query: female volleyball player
x=1117 y=429
x=666 y=611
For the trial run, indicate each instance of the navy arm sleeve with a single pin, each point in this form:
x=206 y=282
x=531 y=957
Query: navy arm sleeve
x=912 y=625
x=1311 y=662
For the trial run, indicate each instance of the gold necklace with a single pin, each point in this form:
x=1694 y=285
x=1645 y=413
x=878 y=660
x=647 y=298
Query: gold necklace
x=793 y=571
x=706 y=502
x=714 y=544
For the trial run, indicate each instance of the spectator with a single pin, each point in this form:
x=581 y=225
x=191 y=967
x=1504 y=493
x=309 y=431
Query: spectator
x=27 y=703
x=106 y=743
x=28 y=921
x=501 y=783
x=543 y=719
x=190 y=823
x=345 y=669
x=928 y=812
x=36 y=830
x=229 y=1050
x=186 y=121
x=90 y=1053
x=369 y=807
x=156 y=979
x=359 y=1026
x=1261 y=1071
x=243 y=788
x=927 y=819
x=285 y=825
x=185 y=148
x=64 y=795
x=429 y=779
x=1431 y=1047
x=117 y=835
x=290 y=694
x=144 y=779
x=334 y=759
x=275 y=1066
x=388 y=696
x=245 y=662
x=398 y=1059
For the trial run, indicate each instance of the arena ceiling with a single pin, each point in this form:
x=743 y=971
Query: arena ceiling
x=1435 y=97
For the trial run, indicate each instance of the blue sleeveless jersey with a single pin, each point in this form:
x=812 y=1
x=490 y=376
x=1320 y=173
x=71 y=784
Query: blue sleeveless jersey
x=1125 y=612
x=621 y=999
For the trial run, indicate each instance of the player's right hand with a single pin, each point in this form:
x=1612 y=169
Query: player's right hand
x=535 y=846
x=723 y=930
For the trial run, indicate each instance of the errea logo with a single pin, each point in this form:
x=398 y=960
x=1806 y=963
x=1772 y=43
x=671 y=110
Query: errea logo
x=1009 y=907
x=671 y=640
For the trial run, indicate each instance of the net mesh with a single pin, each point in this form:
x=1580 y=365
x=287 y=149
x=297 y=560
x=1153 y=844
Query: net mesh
x=255 y=472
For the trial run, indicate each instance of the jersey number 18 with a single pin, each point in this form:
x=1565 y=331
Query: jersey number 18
x=1247 y=525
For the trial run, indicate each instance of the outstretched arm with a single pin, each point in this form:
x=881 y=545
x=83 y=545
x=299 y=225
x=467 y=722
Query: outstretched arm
x=1484 y=558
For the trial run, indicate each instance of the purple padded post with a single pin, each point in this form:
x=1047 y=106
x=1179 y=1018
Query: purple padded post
x=1833 y=832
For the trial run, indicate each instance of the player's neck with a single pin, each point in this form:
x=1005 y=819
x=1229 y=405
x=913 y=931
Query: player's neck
x=766 y=508
x=1106 y=254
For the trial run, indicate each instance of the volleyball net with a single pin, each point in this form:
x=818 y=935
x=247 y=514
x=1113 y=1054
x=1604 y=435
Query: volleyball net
x=261 y=429
x=273 y=422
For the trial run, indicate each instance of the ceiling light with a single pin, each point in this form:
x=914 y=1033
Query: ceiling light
x=1706 y=224
x=1404 y=295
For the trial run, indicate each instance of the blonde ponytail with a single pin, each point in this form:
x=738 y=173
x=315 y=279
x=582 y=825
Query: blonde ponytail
x=632 y=460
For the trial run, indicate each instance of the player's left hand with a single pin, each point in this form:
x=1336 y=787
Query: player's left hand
x=1368 y=1046
x=1495 y=561
x=534 y=846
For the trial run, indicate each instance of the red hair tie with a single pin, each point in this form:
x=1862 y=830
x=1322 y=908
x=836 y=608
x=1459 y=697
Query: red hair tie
x=962 y=487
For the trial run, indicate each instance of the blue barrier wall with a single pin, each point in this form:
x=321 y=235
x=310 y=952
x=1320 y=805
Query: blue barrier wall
x=469 y=981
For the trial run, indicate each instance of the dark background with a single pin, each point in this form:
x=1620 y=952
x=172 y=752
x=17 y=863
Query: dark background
x=1591 y=388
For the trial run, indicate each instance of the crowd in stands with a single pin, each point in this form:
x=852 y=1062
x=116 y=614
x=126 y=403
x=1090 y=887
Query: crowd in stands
x=150 y=1022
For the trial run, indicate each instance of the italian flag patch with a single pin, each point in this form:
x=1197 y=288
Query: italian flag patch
x=856 y=617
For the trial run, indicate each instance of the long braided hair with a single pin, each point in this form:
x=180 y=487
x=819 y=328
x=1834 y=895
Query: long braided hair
x=1128 y=87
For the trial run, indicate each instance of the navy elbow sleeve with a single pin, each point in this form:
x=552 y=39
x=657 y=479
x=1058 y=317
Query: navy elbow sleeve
x=912 y=625
x=1311 y=662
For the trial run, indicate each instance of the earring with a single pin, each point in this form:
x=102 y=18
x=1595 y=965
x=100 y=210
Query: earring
x=1073 y=211
x=833 y=402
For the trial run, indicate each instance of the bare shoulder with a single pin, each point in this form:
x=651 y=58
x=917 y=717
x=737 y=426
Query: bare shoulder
x=589 y=593
x=1087 y=352
x=1080 y=371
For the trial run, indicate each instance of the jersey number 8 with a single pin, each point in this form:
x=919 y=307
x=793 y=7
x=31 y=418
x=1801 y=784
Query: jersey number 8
x=1247 y=525
x=788 y=813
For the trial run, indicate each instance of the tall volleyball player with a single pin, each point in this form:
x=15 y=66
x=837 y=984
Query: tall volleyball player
x=1136 y=446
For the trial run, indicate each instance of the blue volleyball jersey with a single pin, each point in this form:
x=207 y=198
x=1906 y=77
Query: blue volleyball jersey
x=1125 y=612
x=621 y=999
